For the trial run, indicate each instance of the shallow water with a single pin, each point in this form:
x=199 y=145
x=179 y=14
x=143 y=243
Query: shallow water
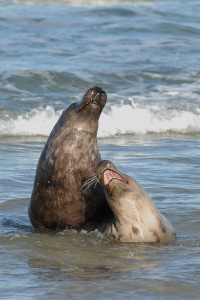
x=80 y=265
x=145 y=55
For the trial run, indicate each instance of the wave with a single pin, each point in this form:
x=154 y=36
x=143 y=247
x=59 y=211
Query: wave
x=38 y=121
x=115 y=120
x=148 y=119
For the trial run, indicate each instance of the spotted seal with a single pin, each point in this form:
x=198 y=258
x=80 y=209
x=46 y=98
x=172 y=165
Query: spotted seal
x=136 y=218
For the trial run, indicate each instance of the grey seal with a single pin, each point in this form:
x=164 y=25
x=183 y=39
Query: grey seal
x=136 y=218
x=70 y=155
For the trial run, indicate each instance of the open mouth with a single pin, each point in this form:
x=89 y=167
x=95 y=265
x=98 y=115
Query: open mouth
x=109 y=175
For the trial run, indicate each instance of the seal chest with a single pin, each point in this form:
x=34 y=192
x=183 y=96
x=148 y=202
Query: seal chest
x=136 y=218
x=69 y=156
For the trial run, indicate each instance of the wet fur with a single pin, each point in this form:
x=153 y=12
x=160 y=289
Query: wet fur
x=70 y=156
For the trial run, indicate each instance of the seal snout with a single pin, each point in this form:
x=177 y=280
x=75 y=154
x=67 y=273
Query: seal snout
x=95 y=95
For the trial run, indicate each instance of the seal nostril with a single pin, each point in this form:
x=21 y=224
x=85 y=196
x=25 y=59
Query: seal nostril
x=93 y=95
x=97 y=97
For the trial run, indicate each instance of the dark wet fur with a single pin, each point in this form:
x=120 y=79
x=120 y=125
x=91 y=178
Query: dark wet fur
x=91 y=188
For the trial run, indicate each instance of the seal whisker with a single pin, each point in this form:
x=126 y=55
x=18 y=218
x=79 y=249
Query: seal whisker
x=91 y=180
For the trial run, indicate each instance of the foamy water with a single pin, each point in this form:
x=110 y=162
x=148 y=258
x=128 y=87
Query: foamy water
x=118 y=119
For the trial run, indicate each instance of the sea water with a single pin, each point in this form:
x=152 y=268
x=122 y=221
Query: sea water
x=145 y=55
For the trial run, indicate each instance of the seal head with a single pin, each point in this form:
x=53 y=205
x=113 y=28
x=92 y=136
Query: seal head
x=136 y=218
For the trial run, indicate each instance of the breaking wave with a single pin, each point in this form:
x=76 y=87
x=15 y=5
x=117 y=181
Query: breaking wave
x=115 y=120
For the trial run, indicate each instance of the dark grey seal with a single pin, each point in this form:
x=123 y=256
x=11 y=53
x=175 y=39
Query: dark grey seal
x=69 y=157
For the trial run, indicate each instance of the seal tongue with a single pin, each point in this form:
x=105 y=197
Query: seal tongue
x=108 y=175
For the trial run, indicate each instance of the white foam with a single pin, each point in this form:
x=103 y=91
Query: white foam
x=115 y=120
x=38 y=121
x=129 y=119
